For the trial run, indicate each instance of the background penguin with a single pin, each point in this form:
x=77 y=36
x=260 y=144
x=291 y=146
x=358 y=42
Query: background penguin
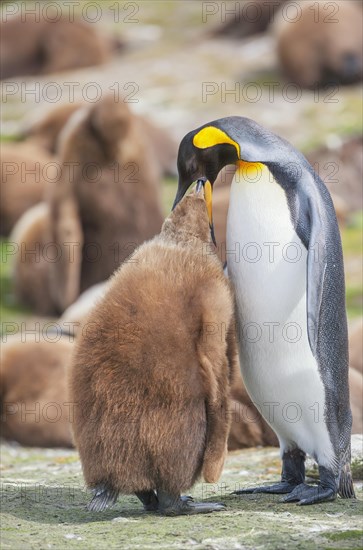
x=252 y=18
x=356 y=400
x=24 y=172
x=151 y=389
x=346 y=158
x=356 y=345
x=30 y=265
x=35 y=410
x=30 y=47
x=45 y=130
x=104 y=203
x=248 y=427
x=115 y=192
x=277 y=198
x=324 y=45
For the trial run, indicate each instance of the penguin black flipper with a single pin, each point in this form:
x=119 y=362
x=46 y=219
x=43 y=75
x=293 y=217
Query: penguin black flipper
x=316 y=270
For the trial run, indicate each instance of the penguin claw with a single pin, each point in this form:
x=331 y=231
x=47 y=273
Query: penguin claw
x=188 y=508
x=169 y=505
x=297 y=493
x=306 y=494
x=206 y=507
x=187 y=498
x=103 y=497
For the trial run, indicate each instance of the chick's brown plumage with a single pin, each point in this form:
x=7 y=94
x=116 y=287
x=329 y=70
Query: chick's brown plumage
x=152 y=378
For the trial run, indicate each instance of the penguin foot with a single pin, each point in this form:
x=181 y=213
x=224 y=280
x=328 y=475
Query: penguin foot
x=174 y=506
x=103 y=497
x=186 y=508
x=292 y=475
x=307 y=494
x=149 y=500
x=281 y=488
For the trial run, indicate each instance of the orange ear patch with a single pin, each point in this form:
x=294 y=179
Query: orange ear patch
x=250 y=170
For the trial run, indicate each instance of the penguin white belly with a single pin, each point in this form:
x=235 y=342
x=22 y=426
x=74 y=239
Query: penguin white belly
x=267 y=264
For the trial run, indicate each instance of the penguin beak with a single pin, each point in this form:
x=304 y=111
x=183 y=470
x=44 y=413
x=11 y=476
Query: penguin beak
x=183 y=187
x=207 y=186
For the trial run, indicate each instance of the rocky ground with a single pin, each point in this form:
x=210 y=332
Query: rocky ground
x=43 y=505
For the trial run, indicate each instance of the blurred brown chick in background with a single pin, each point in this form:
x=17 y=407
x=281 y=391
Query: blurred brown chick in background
x=34 y=407
x=24 y=172
x=32 y=45
x=324 y=45
x=318 y=43
x=106 y=202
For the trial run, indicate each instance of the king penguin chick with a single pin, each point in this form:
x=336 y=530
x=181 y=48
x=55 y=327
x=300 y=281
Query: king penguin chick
x=356 y=345
x=45 y=129
x=151 y=387
x=296 y=357
x=105 y=201
x=35 y=410
x=109 y=205
x=31 y=46
x=25 y=169
x=323 y=44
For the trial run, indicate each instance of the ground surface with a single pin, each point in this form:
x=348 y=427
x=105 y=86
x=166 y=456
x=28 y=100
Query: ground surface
x=43 y=503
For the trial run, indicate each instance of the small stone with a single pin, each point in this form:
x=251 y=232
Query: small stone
x=122 y=519
x=72 y=536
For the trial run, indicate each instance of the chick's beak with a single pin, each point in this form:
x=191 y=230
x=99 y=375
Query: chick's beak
x=207 y=187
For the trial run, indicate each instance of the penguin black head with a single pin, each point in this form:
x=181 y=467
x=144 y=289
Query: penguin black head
x=231 y=140
x=202 y=154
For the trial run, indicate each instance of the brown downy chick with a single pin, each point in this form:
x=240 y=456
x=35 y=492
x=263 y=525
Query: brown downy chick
x=35 y=410
x=25 y=169
x=323 y=44
x=356 y=345
x=151 y=384
x=252 y=17
x=30 y=263
x=46 y=129
x=104 y=203
x=113 y=193
x=47 y=45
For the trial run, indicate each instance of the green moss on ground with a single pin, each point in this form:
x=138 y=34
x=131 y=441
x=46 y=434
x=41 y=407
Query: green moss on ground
x=344 y=535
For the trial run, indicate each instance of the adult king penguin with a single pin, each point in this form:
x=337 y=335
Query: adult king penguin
x=285 y=260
